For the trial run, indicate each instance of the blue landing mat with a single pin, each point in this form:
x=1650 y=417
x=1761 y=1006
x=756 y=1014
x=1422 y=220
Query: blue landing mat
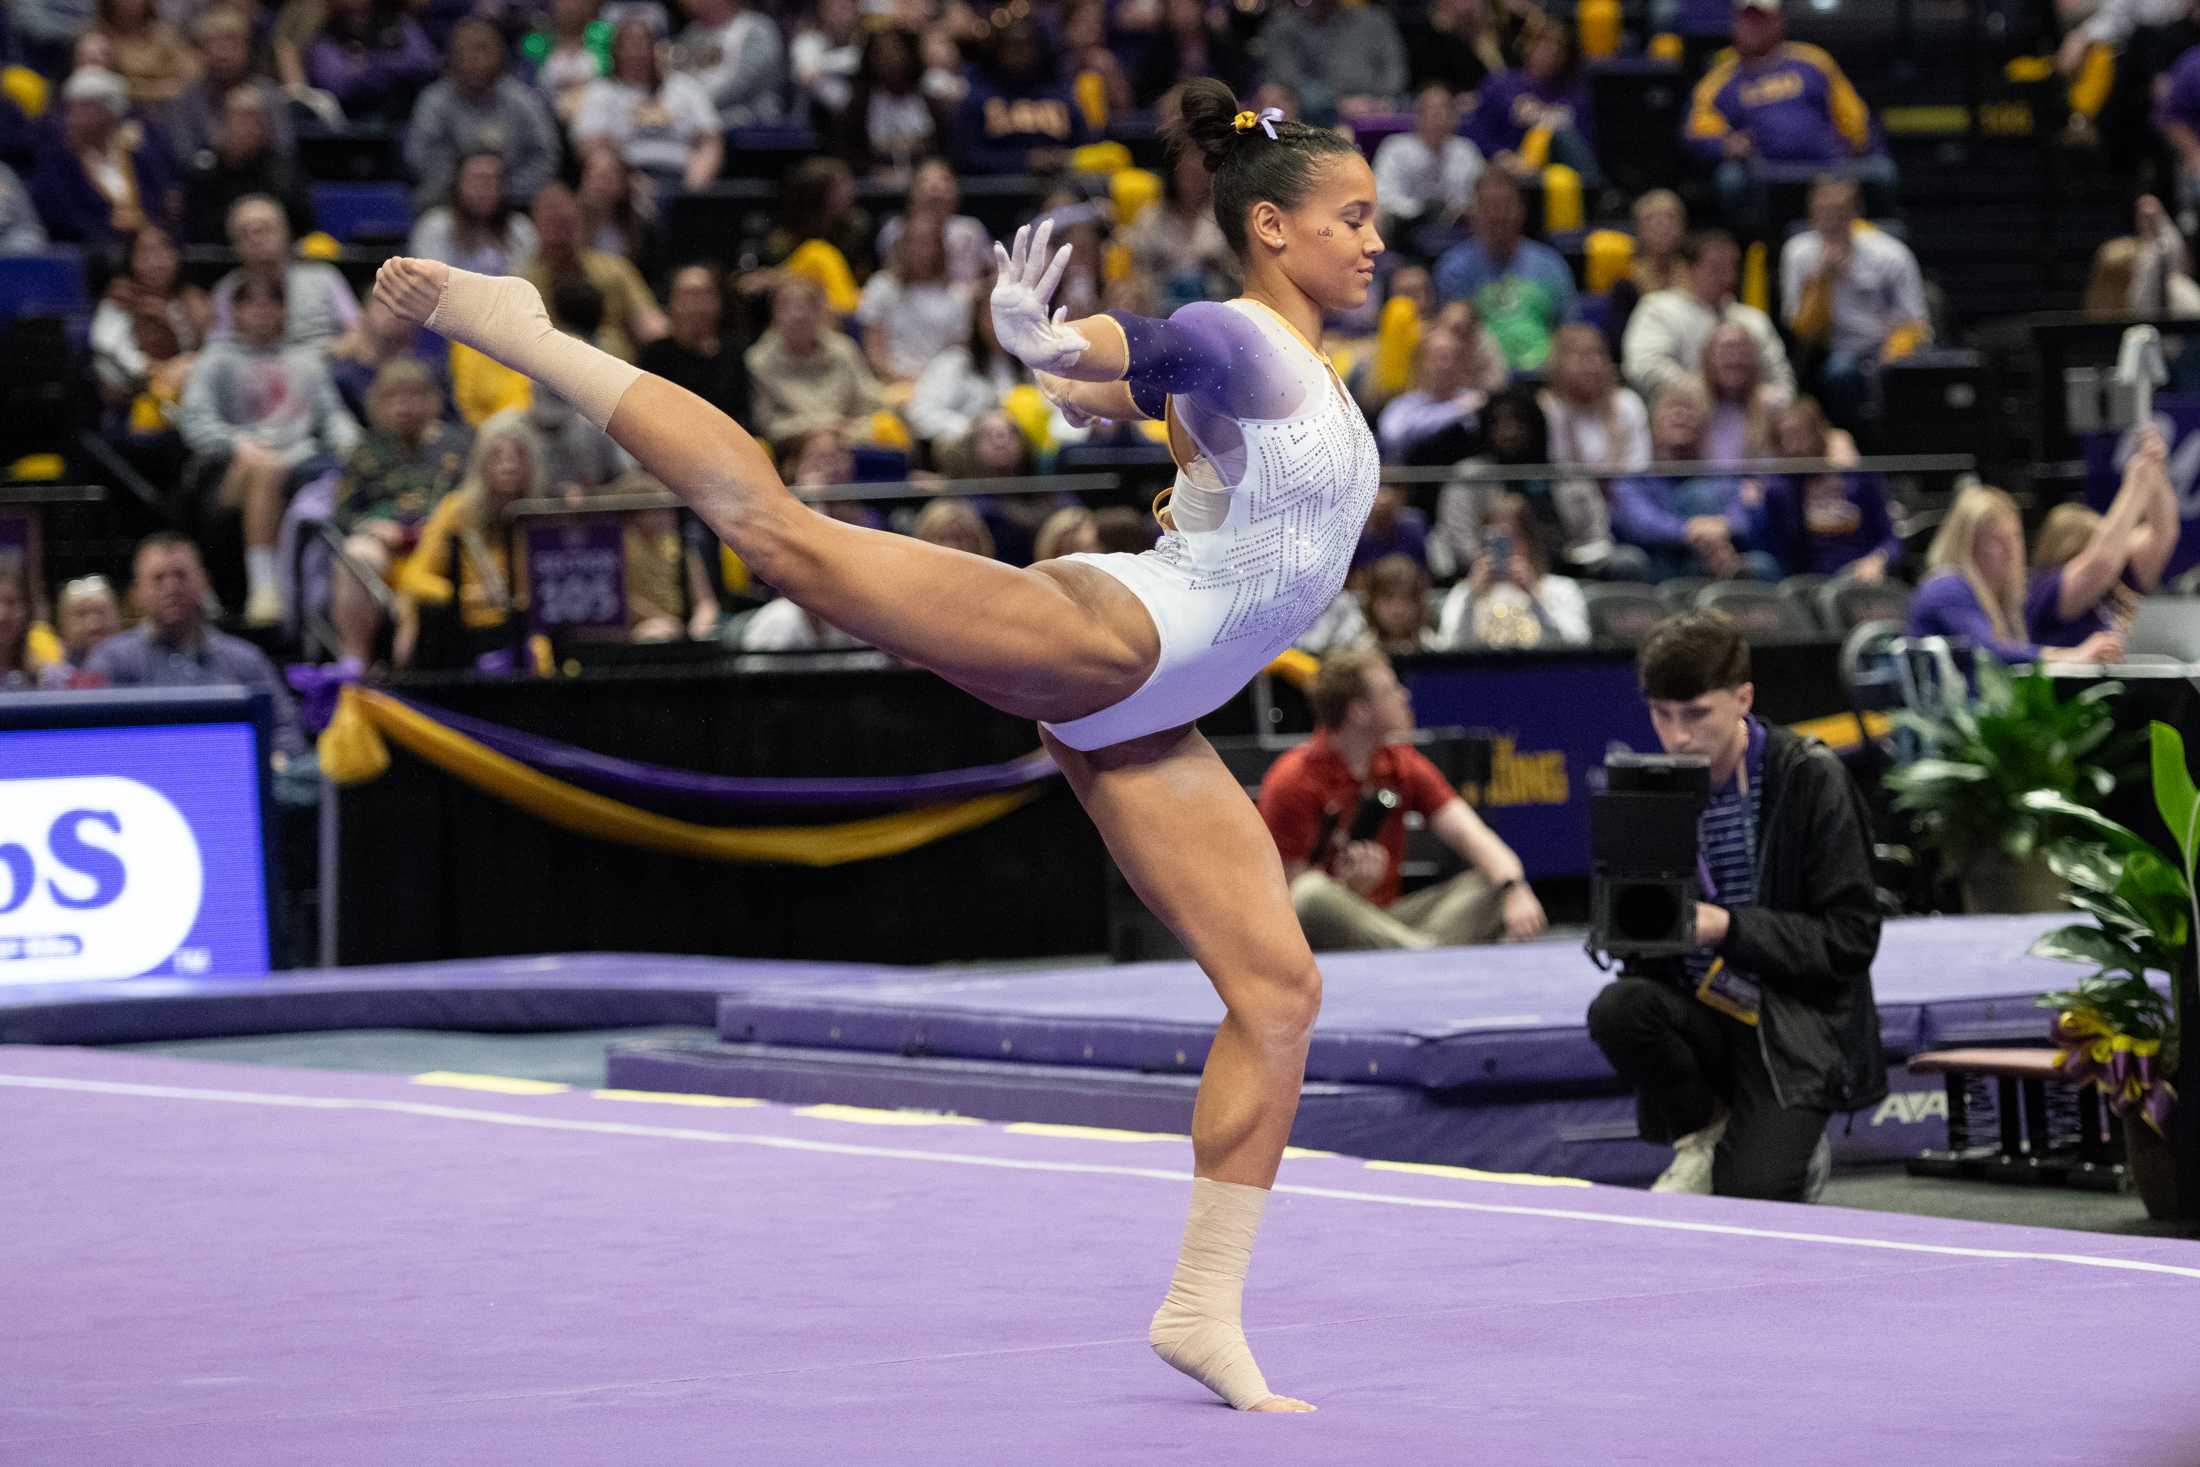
x=1490 y=1018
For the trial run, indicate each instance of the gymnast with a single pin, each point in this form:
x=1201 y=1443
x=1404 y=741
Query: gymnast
x=1113 y=655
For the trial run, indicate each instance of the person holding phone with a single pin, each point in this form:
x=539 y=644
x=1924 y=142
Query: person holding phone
x=1336 y=806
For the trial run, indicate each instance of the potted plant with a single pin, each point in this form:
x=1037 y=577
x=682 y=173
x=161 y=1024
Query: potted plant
x=2115 y=1028
x=1983 y=758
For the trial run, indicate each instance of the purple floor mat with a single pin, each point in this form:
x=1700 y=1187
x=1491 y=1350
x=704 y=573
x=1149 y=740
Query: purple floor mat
x=1500 y=1018
x=213 y=1264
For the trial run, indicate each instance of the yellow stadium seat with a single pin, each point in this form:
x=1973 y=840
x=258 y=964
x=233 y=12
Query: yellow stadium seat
x=29 y=91
x=1133 y=191
x=1611 y=254
x=1561 y=198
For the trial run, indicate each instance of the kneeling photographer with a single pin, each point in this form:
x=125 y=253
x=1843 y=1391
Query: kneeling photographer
x=1741 y=1046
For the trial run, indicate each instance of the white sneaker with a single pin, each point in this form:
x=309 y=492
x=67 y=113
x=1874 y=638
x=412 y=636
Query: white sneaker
x=264 y=607
x=1692 y=1154
x=1821 y=1170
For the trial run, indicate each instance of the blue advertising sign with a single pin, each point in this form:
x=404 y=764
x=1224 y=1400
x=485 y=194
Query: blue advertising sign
x=2177 y=414
x=129 y=850
x=576 y=571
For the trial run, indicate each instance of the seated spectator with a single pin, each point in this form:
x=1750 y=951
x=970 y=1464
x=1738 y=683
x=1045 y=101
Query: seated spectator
x=22 y=232
x=467 y=534
x=954 y=524
x=2148 y=273
x=98 y=180
x=1340 y=61
x=1687 y=527
x=476 y=228
x=1514 y=433
x=1771 y=100
x=224 y=37
x=1083 y=33
x=579 y=457
x=243 y=163
x=737 y=54
x=823 y=57
x=781 y=626
x=479 y=108
x=1661 y=224
x=1667 y=333
x=1595 y=422
x=1974 y=589
x=1122 y=530
x=372 y=57
x=1193 y=38
x=1784 y=942
x=936 y=196
x=153 y=59
x=2177 y=118
x=661 y=122
x=261 y=416
x=619 y=210
x=85 y=614
x=631 y=317
x=1545 y=94
x=573 y=50
x=1465 y=41
x=1393 y=527
x=318 y=303
x=377 y=339
x=1743 y=404
x=147 y=329
x=911 y=309
x=1830 y=524
x=1425 y=178
x=668 y=589
x=1852 y=292
x=1520 y=287
x=1510 y=598
x=892 y=116
x=1345 y=883
x=804 y=374
x=1433 y=420
x=409 y=459
x=1395 y=593
x=1019 y=116
x=2088 y=569
x=1176 y=244
x=173 y=647
x=694 y=354
x=821 y=233
x=1067 y=531
x=21 y=669
x=962 y=384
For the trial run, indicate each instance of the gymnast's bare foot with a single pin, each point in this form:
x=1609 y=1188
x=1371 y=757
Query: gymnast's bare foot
x=1284 y=1403
x=411 y=288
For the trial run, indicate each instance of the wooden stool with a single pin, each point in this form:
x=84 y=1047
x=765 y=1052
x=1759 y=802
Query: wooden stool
x=2050 y=1131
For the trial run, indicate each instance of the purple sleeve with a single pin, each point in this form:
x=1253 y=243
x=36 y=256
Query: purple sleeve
x=1946 y=606
x=1211 y=353
x=1640 y=515
x=1871 y=499
x=2181 y=101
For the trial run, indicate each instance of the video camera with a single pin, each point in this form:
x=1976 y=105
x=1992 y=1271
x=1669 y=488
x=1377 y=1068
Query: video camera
x=1642 y=854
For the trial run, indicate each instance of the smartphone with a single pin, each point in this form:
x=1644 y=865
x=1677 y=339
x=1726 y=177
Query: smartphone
x=1501 y=550
x=1375 y=808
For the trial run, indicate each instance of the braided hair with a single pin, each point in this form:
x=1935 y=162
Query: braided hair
x=1249 y=165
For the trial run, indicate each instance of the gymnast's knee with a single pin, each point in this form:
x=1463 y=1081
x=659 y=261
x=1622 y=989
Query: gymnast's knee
x=1283 y=1007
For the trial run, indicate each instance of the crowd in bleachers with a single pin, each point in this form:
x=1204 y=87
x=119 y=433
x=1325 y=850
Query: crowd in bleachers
x=1606 y=366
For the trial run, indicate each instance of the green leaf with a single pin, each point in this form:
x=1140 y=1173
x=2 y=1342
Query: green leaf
x=2081 y=944
x=2174 y=794
x=2084 y=864
x=2121 y=838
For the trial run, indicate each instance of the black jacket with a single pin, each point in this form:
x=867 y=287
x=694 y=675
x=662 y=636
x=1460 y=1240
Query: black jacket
x=1813 y=931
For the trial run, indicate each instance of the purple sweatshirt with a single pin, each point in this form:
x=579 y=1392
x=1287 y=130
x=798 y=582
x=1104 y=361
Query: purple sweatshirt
x=1513 y=102
x=1946 y=606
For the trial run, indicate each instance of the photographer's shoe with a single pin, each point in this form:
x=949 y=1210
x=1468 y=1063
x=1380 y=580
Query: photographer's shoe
x=1821 y=1170
x=1691 y=1168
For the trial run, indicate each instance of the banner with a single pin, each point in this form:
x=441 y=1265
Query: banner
x=576 y=573
x=2177 y=414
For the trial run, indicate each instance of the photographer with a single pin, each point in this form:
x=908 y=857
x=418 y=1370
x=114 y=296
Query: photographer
x=1740 y=1052
x=1336 y=807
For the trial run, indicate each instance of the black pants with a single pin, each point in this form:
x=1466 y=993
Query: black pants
x=1684 y=1059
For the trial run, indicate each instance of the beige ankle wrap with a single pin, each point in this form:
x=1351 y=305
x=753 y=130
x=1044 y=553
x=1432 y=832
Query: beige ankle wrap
x=1197 y=1328
x=501 y=316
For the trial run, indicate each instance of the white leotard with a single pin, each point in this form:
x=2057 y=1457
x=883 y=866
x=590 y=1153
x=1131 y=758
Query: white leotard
x=1294 y=457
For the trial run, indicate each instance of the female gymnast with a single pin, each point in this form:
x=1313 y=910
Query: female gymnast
x=1113 y=655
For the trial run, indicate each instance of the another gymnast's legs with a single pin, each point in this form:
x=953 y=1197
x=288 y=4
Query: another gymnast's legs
x=1052 y=643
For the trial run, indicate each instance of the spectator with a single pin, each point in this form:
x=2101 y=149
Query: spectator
x=1083 y=36
x=821 y=233
x=737 y=54
x=149 y=326
x=1340 y=61
x=1082 y=223
x=2177 y=117
x=173 y=647
x=1345 y=881
x=1433 y=420
x=98 y=180
x=1393 y=527
x=631 y=317
x=892 y=116
x=43 y=31
x=661 y=122
x=476 y=228
x=935 y=195
x=2089 y=570
x=1020 y=116
x=1743 y=403
x=1465 y=41
x=1514 y=433
x=404 y=466
x=1520 y=287
x=1852 y=292
x=1784 y=942
x=224 y=37
x=1067 y=531
x=953 y=524
x=478 y=108
x=1686 y=526
x=21 y=232
x=1122 y=530
x=1974 y=588
x=581 y=458
x=378 y=338
x=824 y=56
x=151 y=56
x=1176 y=244
x=618 y=209
x=1826 y=524
x=573 y=51
x=1396 y=596
x=1425 y=178
x=1595 y=422
x=85 y=614
x=1194 y=39
x=462 y=552
x=1545 y=94
x=1771 y=100
x=781 y=626
x=318 y=303
x=1510 y=598
x=261 y=416
x=694 y=354
x=21 y=670
x=804 y=375
x=2144 y=274
x=1669 y=330
x=243 y=163
x=962 y=384
x=372 y=57
x=910 y=309
x=1661 y=224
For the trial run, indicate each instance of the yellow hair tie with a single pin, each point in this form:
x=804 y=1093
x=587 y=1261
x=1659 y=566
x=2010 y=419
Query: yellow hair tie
x=1245 y=122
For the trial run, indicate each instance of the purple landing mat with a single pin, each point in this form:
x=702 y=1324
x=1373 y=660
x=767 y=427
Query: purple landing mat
x=1553 y=1134
x=234 y=1264
x=516 y=994
x=1502 y=1017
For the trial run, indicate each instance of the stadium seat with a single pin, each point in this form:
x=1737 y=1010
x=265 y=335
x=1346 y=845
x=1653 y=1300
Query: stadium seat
x=1680 y=592
x=1623 y=611
x=1844 y=605
x=2187 y=584
x=1803 y=591
x=49 y=283
x=362 y=213
x=1759 y=610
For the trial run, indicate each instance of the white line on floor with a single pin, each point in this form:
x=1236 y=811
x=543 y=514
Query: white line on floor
x=1004 y=1163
